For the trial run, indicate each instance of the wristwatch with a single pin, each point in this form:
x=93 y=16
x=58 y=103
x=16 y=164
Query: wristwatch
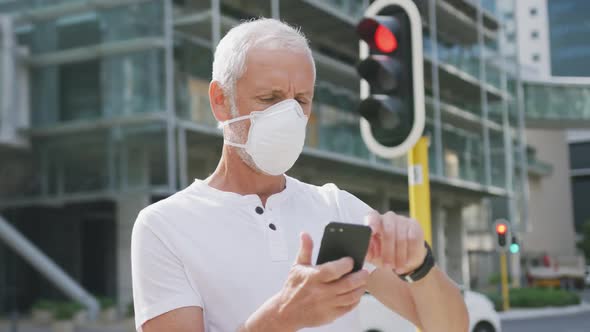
x=422 y=270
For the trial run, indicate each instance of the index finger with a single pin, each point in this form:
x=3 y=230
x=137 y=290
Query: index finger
x=373 y=220
x=334 y=270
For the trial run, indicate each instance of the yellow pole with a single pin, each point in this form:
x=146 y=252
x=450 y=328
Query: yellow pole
x=504 y=277
x=419 y=184
x=419 y=187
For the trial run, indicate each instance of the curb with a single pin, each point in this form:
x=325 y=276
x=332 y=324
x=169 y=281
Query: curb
x=515 y=314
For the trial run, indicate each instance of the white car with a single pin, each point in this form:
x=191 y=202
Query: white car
x=375 y=317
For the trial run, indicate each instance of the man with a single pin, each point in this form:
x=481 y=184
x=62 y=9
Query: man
x=235 y=252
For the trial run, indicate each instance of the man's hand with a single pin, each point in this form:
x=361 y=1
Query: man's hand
x=397 y=242
x=312 y=295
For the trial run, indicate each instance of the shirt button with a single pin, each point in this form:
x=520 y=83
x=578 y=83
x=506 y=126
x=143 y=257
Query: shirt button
x=272 y=226
x=259 y=210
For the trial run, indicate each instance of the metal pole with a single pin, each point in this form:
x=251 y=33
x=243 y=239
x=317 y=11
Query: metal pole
x=170 y=105
x=274 y=8
x=504 y=276
x=438 y=150
x=419 y=186
x=526 y=225
x=182 y=159
x=484 y=100
x=215 y=23
x=509 y=163
x=38 y=260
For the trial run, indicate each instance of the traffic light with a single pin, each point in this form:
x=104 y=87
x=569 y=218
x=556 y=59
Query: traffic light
x=514 y=246
x=501 y=230
x=392 y=82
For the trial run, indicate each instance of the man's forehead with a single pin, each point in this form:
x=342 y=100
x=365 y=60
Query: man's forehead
x=279 y=71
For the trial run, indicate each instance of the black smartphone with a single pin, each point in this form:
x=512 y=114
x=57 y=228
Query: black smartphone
x=345 y=240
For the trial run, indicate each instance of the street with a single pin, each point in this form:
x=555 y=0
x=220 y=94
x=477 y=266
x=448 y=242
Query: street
x=570 y=323
x=566 y=323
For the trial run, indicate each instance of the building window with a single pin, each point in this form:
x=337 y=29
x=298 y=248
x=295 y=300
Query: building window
x=511 y=36
x=533 y=11
x=535 y=34
x=536 y=57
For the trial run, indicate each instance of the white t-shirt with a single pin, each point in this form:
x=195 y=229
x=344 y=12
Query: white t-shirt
x=217 y=250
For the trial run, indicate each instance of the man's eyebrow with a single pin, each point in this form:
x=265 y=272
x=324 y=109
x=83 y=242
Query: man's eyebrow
x=281 y=92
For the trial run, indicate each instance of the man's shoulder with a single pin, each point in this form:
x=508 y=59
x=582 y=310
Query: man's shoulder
x=328 y=192
x=174 y=208
x=348 y=205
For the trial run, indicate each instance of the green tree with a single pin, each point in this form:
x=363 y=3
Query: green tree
x=584 y=243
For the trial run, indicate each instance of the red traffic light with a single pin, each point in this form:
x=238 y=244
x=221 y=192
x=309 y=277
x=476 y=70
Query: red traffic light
x=501 y=229
x=380 y=33
x=385 y=40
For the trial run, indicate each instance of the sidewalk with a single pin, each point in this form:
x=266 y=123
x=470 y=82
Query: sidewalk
x=29 y=326
x=521 y=313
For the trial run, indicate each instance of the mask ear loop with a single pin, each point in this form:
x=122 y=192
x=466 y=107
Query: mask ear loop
x=230 y=121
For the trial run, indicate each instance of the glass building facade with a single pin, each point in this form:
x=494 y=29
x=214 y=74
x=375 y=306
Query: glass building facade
x=569 y=27
x=119 y=104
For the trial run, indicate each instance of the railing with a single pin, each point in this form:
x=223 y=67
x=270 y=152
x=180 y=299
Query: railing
x=558 y=99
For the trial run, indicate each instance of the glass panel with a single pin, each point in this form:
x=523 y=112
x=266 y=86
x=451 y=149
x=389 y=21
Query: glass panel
x=497 y=158
x=489 y=6
x=145 y=19
x=104 y=88
x=133 y=83
x=492 y=62
x=336 y=120
x=192 y=76
x=9 y=6
x=79 y=91
x=579 y=155
x=472 y=105
x=77 y=164
x=429 y=132
x=352 y=8
x=463 y=154
x=495 y=109
x=568 y=37
x=144 y=160
x=457 y=42
x=85 y=169
x=339 y=132
x=557 y=102
x=94 y=27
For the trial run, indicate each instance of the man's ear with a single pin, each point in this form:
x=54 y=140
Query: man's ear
x=219 y=103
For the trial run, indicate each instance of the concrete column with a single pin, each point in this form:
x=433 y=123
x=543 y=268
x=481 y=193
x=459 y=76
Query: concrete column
x=457 y=259
x=438 y=235
x=128 y=206
x=384 y=200
x=515 y=271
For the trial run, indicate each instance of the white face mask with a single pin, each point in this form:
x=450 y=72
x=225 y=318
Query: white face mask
x=276 y=136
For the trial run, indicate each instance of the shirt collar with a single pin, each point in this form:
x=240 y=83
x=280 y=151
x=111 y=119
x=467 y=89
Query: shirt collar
x=228 y=196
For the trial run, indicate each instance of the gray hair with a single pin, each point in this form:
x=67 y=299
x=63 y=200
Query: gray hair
x=229 y=61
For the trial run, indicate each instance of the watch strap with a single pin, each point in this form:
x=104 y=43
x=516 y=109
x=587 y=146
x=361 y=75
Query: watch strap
x=422 y=270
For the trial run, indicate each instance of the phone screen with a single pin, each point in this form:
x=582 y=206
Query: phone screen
x=345 y=240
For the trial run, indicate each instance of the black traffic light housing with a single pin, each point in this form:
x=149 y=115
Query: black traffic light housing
x=502 y=233
x=391 y=68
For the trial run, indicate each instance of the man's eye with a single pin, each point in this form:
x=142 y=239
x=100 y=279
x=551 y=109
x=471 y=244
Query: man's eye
x=302 y=102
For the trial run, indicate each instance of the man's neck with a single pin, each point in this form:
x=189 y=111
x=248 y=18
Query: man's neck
x=233 y=175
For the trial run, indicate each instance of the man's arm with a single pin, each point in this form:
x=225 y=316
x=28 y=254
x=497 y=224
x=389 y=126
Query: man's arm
x=187 y=319
x=433 y=303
